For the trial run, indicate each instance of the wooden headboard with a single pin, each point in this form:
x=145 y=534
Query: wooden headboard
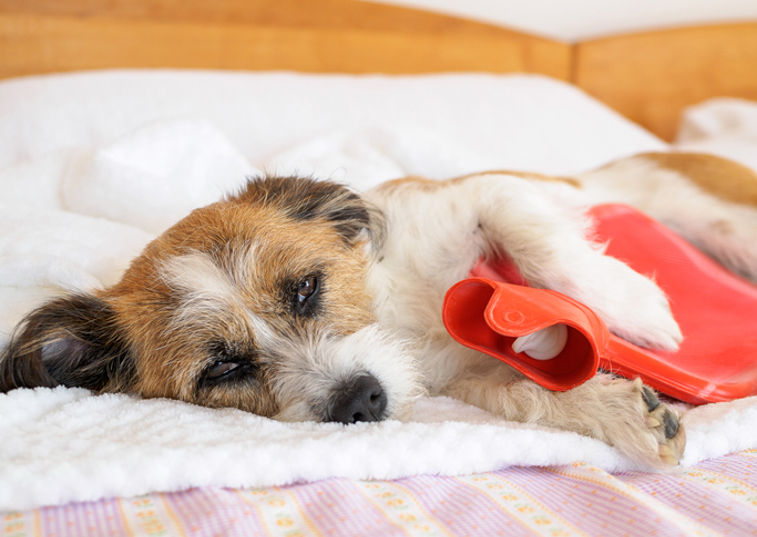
x=648 y=77
x=651 y=77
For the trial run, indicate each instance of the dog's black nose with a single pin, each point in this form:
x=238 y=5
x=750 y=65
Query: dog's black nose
x=360 y=400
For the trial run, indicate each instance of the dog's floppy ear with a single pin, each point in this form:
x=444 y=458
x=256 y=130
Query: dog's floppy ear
x=305 y=198
x=71 y=341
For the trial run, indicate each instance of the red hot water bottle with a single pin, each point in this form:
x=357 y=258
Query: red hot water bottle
x=716 y=310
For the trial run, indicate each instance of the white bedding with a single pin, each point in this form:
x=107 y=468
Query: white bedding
x=92 y=166
x=724 y=126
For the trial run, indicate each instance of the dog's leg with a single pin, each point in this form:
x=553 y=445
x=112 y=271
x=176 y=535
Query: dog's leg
x=546 y=239
x=725 y=231
x=622 y=413
x=712 y=202
x=538 y=224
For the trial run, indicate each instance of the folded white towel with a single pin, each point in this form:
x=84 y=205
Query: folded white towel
x=154 y=176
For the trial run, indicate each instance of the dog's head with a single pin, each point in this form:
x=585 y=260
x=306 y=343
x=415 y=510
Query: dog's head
x=257 y=302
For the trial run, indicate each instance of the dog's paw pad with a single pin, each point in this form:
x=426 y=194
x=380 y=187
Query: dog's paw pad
x=668 y=455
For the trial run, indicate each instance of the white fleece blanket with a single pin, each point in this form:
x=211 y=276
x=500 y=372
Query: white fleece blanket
x=92 y=166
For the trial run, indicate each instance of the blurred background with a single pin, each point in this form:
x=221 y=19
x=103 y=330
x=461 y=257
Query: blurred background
x=588 y=19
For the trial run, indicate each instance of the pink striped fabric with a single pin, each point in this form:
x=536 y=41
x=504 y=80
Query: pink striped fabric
x=717 y=497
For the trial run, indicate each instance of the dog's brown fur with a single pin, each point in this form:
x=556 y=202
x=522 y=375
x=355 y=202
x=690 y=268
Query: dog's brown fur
x=155 y=333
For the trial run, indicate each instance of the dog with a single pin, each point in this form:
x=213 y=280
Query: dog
x=299 y=299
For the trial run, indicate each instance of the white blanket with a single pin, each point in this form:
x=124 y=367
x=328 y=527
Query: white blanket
x=93 y=166
x=63 y=444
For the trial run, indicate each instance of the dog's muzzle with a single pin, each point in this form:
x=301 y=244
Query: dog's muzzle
x=362 y=399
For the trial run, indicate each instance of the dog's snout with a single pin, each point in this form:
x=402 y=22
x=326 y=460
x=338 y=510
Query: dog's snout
x=361 y=400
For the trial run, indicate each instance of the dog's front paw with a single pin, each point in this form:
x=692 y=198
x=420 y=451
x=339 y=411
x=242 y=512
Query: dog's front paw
x=635 y=309
x=647 y=321
x=647 y=431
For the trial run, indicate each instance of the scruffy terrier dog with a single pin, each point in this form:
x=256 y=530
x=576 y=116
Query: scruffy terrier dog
x=301 y=300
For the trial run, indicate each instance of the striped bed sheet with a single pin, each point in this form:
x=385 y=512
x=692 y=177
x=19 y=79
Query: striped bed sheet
x=716 y=497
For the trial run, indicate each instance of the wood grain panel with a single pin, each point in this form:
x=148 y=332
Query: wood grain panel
x=651 y=77
x=44 y=36
x=290 y=13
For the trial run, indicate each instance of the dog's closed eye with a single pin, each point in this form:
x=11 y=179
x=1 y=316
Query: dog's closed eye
x=221 y=369
x=227 y=371
x=229 y=365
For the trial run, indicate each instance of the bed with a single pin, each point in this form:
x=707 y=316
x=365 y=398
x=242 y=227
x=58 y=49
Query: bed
x=117 y=118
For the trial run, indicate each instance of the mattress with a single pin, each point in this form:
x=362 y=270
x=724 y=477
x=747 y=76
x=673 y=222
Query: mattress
x=95 y=165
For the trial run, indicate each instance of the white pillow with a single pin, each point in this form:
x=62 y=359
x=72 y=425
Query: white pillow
x=725 y=126
x=514 y=121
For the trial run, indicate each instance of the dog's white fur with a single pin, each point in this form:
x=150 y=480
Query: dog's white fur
x=221 y=290
x=438 y=234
